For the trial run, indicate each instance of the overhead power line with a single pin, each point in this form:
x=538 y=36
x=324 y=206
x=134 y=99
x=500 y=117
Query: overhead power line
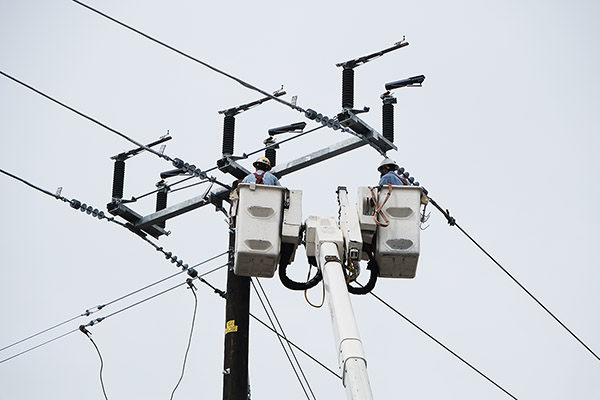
x=452 y=222
x=441 y=344
x=223 y=295
x=87 y=117
x=308 y=113
x=285 y=350
x=100 y=319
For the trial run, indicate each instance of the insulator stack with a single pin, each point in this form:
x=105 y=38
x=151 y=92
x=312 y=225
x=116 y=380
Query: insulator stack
x=228 y=134
x=161 y=201
x=347 y=88
x=388 y=121
x=118 y=179
x=271 y=155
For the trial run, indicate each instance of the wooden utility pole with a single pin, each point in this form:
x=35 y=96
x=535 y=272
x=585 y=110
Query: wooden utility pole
x=237 y=324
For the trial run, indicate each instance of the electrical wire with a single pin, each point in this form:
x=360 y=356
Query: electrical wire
x=223 y=295
x=452 y=222
x=164 y=156
x=309 y=113
x=89 y=336
x=440 y=343
x=97 y=320
x=285 y=350
x=189 y=344
x=238 y=80
x=38 y=346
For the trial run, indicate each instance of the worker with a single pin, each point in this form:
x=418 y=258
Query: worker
x=387 y=170
x=262 y=174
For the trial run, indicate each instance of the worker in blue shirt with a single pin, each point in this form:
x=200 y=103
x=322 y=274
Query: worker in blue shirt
x=387 y=170
x=262 y=176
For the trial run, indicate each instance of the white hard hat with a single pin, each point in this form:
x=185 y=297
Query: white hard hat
x=391 y=164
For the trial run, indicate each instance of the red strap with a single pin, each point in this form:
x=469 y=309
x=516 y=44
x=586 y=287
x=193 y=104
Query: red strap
x=402 y=179
x=259 y=178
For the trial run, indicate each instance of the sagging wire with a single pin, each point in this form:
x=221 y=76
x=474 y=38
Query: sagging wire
x=285 y=350
x=441 y=344
x=89 y=336
x=191 y=286
x=223 y=295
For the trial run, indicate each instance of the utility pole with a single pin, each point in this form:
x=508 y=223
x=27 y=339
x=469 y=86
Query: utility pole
x=237 y=325
x=237 y=308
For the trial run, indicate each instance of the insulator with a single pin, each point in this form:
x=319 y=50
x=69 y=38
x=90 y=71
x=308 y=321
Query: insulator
x=319 y=117
x=161 y=203
x=101 y=215
x=179 y=263
x=168 y=255
x=310 y=114
x=178 y=163
x=347 y=88
x=401 y=170
x=173 y=259
x=388 y=121
x=411 y=179
x=83 y=207
x=95 y=212
x=417 y=184
x=270 y=153
x=406 y=174
x=325 y=120
x=192 y=272
x=228 y=134
x=89 y=210
x=118 y=179
x=75 y=204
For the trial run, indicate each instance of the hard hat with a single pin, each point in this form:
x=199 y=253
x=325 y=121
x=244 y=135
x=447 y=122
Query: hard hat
x=262 y=162
x=389 y=163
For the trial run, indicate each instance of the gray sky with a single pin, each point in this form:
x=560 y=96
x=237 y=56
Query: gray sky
x=503 y=133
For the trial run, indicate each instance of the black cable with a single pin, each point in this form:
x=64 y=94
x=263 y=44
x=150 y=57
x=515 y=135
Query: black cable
x=164 y=156
x=285 y=350
x=89 y=336
x=309 y=113
x=241 y=82
x=189 y=344
x=441 y=344
x=452 y=222
x=223 y=295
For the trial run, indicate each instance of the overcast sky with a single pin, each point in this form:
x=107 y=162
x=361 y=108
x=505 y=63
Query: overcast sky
x=503 y=133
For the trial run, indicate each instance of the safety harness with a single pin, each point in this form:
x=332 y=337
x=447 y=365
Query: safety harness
x=402 y=179
x=259 y=178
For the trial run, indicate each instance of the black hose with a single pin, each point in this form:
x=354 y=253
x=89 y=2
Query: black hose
x=373 y=267
x=287 y=250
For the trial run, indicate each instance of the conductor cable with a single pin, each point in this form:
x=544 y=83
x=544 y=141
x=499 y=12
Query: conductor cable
x=452 y=222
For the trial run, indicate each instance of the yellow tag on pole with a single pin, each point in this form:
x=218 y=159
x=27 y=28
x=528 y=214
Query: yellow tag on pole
x=231 y=327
